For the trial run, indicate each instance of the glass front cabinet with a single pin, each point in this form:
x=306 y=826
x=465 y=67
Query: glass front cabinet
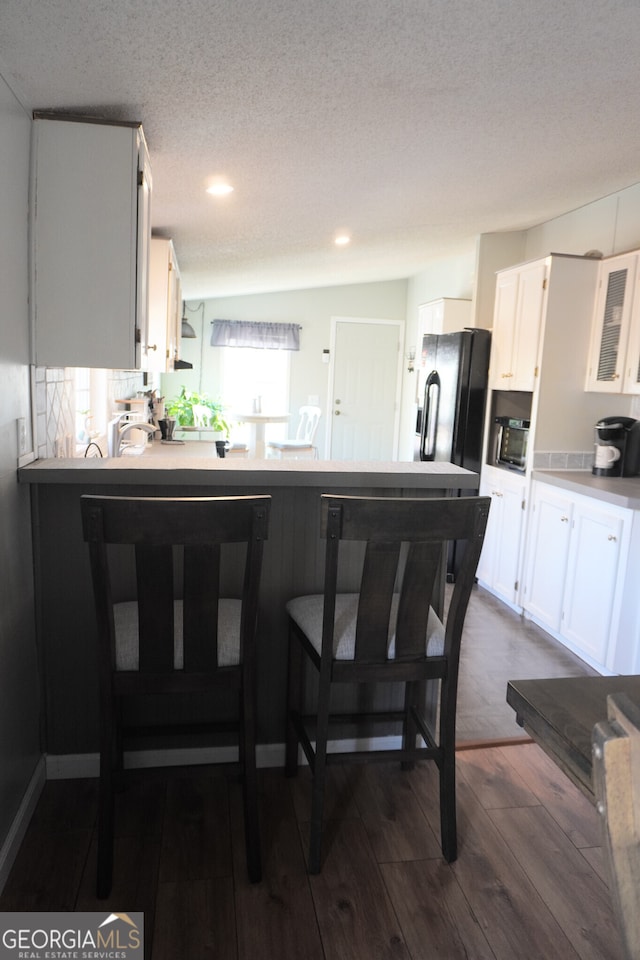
x=614 y=355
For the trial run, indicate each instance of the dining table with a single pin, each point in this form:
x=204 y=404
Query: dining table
x=258 y=423
x=560 y=714
x=590 y=726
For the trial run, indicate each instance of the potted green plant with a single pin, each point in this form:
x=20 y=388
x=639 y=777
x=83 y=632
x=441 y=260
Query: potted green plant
x=181 y=408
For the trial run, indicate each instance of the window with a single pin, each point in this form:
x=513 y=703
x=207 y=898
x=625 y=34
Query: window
x=90 y=389
x=249 y=373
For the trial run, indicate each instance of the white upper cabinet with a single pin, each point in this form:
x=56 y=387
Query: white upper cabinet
x=614 y=355
x=90 y=234
x=517 y=323
x=447 y=315
x=165 y=295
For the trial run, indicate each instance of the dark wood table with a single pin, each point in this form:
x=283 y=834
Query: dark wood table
x=560 y=714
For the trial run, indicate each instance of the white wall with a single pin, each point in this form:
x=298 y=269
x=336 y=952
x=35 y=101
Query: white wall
x=19 y=688
x=312 y=309
x=611 y=225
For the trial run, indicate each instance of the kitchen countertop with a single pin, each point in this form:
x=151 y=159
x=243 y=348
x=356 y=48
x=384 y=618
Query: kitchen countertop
x=192 y=464
x=621 y=491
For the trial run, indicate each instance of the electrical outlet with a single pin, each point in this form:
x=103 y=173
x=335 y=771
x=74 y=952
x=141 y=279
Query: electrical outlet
x=21 y=425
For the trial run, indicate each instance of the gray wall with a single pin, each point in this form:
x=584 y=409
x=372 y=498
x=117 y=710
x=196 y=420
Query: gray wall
x=313 y=310
x=19 y=690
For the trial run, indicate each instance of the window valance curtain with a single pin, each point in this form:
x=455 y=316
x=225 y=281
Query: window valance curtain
x=247 y=333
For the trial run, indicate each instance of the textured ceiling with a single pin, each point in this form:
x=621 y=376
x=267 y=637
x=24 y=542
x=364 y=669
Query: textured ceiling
x=414 y=124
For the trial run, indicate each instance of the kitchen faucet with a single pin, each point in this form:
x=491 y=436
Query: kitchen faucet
x=117 y=431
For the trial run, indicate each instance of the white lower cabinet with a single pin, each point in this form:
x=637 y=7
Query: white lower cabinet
x=500 y=558
x=575 y=573
x=589 y=620
x=547 y=555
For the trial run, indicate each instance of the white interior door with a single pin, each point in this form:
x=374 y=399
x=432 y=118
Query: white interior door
x=364 y=389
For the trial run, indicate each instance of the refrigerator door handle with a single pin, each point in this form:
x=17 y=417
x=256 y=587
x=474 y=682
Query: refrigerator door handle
x=430 y=416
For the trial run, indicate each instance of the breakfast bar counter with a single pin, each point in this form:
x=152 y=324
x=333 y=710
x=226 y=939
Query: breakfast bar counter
x=293 y=561
x=193 y=464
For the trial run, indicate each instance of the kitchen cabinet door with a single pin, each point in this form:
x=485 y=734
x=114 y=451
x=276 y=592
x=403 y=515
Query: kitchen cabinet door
x=502 y=337
x=529 y=322
x=613 y=355
x=500 y=558
x=547 y=555
x=631 y=375
x=487 y=559
x=164 y=306
x=174 y=315
x=518 y=318
x=505 y=582
x=90 y=231
x=593 y=569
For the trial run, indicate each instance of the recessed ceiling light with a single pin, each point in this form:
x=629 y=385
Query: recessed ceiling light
x=220 y=189
x=342 y=240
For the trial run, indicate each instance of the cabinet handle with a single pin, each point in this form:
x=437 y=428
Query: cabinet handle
x=152 y=346
x=505 y=376
x=612 y=538
x=496 y=493
x=564 y=519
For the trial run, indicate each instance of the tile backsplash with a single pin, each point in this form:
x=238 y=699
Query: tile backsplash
x=563 y=460
x=55 y=405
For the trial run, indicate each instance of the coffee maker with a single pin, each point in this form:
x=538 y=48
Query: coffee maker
x=617 y=447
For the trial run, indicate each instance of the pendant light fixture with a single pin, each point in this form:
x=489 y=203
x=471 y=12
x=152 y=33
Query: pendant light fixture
x=187 y=333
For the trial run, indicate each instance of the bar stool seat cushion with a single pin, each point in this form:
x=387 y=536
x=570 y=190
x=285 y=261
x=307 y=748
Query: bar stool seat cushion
x=307 y=613
x=125 y=617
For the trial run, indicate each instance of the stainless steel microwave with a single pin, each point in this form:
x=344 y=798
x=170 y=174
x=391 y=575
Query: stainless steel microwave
x=511 y=442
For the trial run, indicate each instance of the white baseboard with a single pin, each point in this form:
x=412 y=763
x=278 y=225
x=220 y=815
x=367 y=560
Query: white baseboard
x=15 y=836
x=67 y=766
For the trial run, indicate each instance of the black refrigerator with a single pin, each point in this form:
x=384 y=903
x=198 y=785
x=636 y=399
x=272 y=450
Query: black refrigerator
x=454 y=369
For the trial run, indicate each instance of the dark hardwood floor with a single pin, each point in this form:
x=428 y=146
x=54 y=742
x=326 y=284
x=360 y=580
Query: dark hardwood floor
x=529 y=883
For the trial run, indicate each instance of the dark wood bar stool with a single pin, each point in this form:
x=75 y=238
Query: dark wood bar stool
x=386 y=632
x=161 y=646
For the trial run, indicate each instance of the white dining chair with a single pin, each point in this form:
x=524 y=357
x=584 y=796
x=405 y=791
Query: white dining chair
x=303 y=444
x=201 y=415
